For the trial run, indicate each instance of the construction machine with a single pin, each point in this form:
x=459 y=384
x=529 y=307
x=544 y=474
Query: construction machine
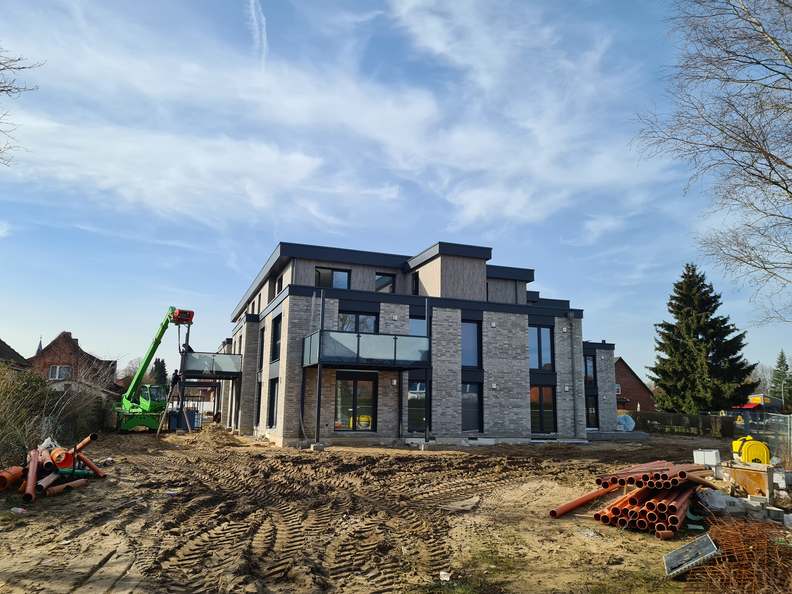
x=142 y=405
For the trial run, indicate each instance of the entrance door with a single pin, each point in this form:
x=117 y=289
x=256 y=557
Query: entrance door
x=356 y=401
x=543 y=409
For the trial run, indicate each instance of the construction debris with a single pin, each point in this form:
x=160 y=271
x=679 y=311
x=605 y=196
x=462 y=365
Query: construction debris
x=51 y=470
x=658 y=502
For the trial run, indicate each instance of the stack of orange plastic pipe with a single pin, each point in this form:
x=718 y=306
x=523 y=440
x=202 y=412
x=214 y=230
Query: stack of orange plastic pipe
x=655 y=499
x=42 y=471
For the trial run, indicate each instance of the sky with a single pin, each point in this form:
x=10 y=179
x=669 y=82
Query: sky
x=170 y=145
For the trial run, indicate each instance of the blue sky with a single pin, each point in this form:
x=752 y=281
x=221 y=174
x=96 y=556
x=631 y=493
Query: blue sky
x=169 y=146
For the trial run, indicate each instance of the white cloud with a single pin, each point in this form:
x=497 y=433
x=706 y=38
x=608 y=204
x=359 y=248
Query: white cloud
x=595 y=227
x=182 y=122
x=5 y=229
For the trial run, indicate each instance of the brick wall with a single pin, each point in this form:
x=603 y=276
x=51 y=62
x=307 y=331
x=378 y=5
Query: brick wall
x=606 y=390
x=507 y=406
x=632 y=389
x=446 y=372
x=570 y=394
x=65 y=350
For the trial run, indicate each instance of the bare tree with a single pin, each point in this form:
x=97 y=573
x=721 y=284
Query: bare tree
x=732 y=121
x=10 y=68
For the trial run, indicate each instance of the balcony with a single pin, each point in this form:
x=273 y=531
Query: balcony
x=212 y=365
x=393 y=351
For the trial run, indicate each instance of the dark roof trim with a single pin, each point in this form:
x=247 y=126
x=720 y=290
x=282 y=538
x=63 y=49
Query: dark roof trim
x=598 y=346
x=442 y=248
x=510 y=273
x=545 y=307
x=285 y=251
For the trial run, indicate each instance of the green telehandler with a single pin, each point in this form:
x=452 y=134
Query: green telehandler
x=142 y=405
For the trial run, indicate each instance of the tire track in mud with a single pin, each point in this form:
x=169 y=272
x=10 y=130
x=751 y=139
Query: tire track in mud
x=297 y=521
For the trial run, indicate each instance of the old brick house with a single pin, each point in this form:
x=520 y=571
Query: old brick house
x=63 y=361
x=631 y=392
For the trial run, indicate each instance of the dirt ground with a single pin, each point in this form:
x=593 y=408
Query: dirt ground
x=212 y=513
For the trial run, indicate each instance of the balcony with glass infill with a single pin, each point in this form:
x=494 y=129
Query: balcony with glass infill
x=389 y=351
x=212 y=365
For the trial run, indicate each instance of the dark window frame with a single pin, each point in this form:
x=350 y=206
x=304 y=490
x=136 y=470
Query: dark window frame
x=279 y=285
x=257 y=415
x=272 y=403
x=415 y=284
x=357 y=315
x=347 y=271
x=262 y=336
x=479 y=344
x=542 y=430
x=480 y=392
x=540 y=350
x=392 y=285
x=355 y=377
x=275 y=337
x=593 y=380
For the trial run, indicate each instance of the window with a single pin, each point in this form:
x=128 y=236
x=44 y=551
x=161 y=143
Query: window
x=416 y=407
x=540 y=347
x=331 y=278
x=472 y=408
x=60 y=372
x=592 y=411
x=471 y=342
x=257 y=414
x=279 y=286
x=590 y=366
x=416 y=284
x=258 y=305
x=261 y=350
x=275 y=343
x=618 y=389
x=417 y=326
x=365 y=323
x=272 y=404
x=385 y=283
x=356 y=402
x=543 y=409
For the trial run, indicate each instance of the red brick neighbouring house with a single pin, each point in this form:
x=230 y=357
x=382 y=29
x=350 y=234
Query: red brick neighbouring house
x=64 y=360
x=11 y=358
x=630 y=389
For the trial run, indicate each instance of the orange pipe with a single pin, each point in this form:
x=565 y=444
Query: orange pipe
x=87 y=461
x=639 y=496
x=9 y=476
x=680 y=499
x=554 y=513
x=642 y=524
x=86 y=440
x=30 y=488
x=46 y=460
x=700 y=481
x=660 y=527
x=62 y=457
x=44 y=483
x=57 y=490
x=664 y=534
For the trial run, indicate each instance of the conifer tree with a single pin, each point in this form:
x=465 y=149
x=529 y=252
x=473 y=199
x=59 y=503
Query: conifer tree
x=699 y=363
x=159 y=372
x=781 y=376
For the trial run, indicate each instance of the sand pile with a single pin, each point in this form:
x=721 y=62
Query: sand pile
x=213 y=436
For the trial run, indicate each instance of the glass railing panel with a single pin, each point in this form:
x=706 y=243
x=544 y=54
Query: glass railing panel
x=376 y=347
x=208 y=363
x=339 y=346
x=412 y=349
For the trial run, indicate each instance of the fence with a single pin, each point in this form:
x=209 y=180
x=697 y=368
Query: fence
x=663 y=422
x=774 y=429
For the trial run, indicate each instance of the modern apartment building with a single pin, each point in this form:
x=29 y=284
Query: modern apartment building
x=343 y=345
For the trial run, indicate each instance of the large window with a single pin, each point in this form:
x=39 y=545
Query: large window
x=591 y=369
x=417 y=326
x=60 y=372
x=385 y=283
x=356 y=402
x=261 y=350
x=275 y=345
x=472 y=408
x=543 y=409
x=332 y=278
x=592 y=411
x=471 y=344
x=257 y=414
x=415 y=284
x=272 y=404
x=350 y=321
x=540 y=347
x=416 y=407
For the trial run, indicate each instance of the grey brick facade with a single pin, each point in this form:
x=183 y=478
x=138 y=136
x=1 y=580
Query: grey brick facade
x=505 y=376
